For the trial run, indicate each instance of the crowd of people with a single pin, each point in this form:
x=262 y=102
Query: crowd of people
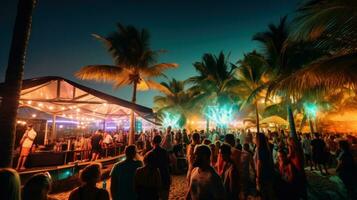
x=228 y=166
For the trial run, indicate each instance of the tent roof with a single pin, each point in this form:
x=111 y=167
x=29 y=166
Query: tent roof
x=274 y=119
x=60 y=96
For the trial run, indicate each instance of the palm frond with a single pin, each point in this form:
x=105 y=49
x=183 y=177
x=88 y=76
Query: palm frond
x=327 y=73
x=157 y=69
x=157 y=86
x=104 y=73
x=331 y=22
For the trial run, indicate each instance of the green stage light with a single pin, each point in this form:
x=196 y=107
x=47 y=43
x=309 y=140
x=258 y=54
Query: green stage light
x=311 y=109
x=221 y=115
x=170 y=119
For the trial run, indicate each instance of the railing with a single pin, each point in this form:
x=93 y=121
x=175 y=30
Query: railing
x=52 y=158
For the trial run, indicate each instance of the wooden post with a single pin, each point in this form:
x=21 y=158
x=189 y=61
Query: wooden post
x=54 y=134
x=46 y=134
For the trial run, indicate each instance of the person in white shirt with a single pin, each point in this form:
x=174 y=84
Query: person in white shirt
x=204 y=182
x=25 y=145
x=108 y=140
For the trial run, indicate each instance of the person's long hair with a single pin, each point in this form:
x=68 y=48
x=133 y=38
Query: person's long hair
x=34 y=187
x=294 y=153
x=10 y=184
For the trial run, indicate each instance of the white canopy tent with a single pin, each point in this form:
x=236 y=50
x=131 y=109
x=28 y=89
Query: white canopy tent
x=66 y=99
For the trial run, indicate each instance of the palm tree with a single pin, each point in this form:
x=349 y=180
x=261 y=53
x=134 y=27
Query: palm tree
x=134 y=64
x=175 y=100
x=215 y=82
x=285 y=57
x=13 y=80
x=333 y=24
x=253 y=75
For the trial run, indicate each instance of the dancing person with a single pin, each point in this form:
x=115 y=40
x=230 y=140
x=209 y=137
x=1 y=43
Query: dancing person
x=122 y=176
x=306 y=146
x=288 y=175
x=147 y=179
x=185 y=138
x=346 y=169
x=319 y=153
x=264 y=168
x=296 y=158
x=247 y=165
x=214 y=154
x=107 y=140
x=161 y=161
x=168 y=145
x=88 y=190
x=238 y=145
x=204 y=182
x=38 y=187
x=25 y=146
x=235 y=153
x=96 y=143
x=86 y=147
x=230 y=174
x=10 y=185
x=190 y=152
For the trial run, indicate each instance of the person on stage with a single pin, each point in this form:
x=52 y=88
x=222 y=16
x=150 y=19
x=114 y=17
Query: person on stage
x=25 y=146
x=96 y=143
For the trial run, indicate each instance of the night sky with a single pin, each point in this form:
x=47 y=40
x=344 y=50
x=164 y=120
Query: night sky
x=61 y=39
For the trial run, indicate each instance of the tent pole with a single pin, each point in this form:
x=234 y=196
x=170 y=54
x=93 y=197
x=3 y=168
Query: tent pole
x=46 y=134
x=53 y=127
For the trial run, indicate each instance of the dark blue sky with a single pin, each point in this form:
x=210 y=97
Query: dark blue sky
x=61 y=43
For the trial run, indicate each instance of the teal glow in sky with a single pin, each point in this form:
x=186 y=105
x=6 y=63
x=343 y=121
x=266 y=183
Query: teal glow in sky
x=61 y=39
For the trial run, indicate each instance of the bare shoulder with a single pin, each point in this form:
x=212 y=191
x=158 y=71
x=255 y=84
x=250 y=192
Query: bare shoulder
x=74 y=195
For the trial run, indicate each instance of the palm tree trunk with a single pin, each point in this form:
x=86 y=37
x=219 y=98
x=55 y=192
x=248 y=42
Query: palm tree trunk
x=207 y=125
x=132 y=116
x=13 y=80
x=257 y=115
x=311 y=125
x=291 y=123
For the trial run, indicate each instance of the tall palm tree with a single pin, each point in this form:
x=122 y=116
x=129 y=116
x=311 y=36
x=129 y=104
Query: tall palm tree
x=134 y=64
x=215 y=82
x=333 y=24
x=175 y=99
x=13 y=80
x=253 y=75
x=285 y=57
